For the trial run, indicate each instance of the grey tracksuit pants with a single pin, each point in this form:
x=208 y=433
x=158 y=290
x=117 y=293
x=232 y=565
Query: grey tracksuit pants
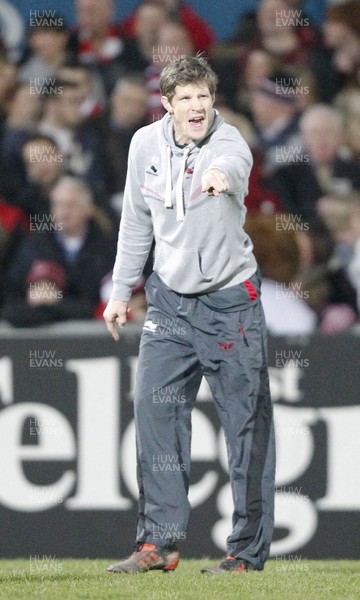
x=221 y=335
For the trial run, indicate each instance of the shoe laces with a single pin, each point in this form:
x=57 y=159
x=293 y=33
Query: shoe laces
x=230 y=561
x=144 y=547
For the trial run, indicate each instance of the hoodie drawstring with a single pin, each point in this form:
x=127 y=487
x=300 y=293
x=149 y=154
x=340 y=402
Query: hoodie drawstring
x=168 y=186
x=180 y=208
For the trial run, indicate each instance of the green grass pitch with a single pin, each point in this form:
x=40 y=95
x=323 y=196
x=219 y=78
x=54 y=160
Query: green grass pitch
x=48 y=578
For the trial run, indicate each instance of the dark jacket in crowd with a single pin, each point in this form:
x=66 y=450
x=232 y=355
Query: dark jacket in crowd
x=83 y=274
x=298 y=187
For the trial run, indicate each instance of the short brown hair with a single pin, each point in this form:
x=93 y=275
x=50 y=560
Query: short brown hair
x=185 y=70
x=347 y=13
x=282 y=263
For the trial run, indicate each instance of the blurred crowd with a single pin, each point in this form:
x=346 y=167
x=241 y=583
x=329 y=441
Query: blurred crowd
x=72 y=101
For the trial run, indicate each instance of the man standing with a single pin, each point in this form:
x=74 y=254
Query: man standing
x=187 y=178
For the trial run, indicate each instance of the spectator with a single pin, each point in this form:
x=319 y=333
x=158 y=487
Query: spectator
x=322 y=169
x=341 y=215
x=334 y=62
x=93 y=94
x=304 y=27
x=242 y=124
x=258 y=65
x=56 y=273
x=283 y=29
x=285 y=306
x=44 y=164
x=24 y=108
x=276 y=28
x=278 y=33
x=96 y=41
x=260 y=198
x=79 y=139
x=275 y=112
x=342 y=35
x=172 y=41
x=148 y=18
x=46 y=52
x=199 y=31
x=128 y=112
x=306 y=87
x=329 y=291
x=21 y=122
x=336 y=212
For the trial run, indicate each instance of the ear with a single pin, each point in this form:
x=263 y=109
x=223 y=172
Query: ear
x=166 y=104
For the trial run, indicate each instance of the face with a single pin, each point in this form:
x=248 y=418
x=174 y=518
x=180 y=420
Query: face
x=257 y=67
x=192 y=110
x=129 y=105
x=94 y=16
x=173 y=39
x=77 y=76
x=48 y=44
x=70 y=106
x=335 y=34
x=322 y=138
x=44 y=163
x=266 y=110
x=270 y=16
x=148 y=20
x=24 y=105
x=70 y=208
x=349 y=232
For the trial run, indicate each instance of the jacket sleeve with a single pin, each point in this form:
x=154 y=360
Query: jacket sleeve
x=135 y=235
x=232 y=156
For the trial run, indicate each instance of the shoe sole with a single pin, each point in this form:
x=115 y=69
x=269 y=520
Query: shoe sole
x=215 y=571
x=166 y=569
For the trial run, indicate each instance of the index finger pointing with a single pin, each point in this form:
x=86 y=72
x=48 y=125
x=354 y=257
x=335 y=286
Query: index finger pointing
x=112 y=329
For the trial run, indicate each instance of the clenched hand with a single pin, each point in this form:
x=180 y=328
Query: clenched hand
x=115 y=312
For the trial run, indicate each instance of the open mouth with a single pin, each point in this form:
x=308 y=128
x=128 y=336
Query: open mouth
x=197 y=122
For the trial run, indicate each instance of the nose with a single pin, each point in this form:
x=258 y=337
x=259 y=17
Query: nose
x=196 y=104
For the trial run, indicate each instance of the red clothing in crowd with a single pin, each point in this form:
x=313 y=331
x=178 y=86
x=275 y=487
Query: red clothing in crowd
x=201 y=34
x=112 y=47
x=260 y=198
x=12 y=217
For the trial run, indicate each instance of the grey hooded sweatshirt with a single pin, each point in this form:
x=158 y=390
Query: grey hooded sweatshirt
x=200 y=242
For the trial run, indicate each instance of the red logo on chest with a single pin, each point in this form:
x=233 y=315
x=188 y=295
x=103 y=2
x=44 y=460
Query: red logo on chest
x=226 y=347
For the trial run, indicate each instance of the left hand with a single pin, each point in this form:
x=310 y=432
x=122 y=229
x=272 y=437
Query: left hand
x=115 y=313
x=214 y=182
